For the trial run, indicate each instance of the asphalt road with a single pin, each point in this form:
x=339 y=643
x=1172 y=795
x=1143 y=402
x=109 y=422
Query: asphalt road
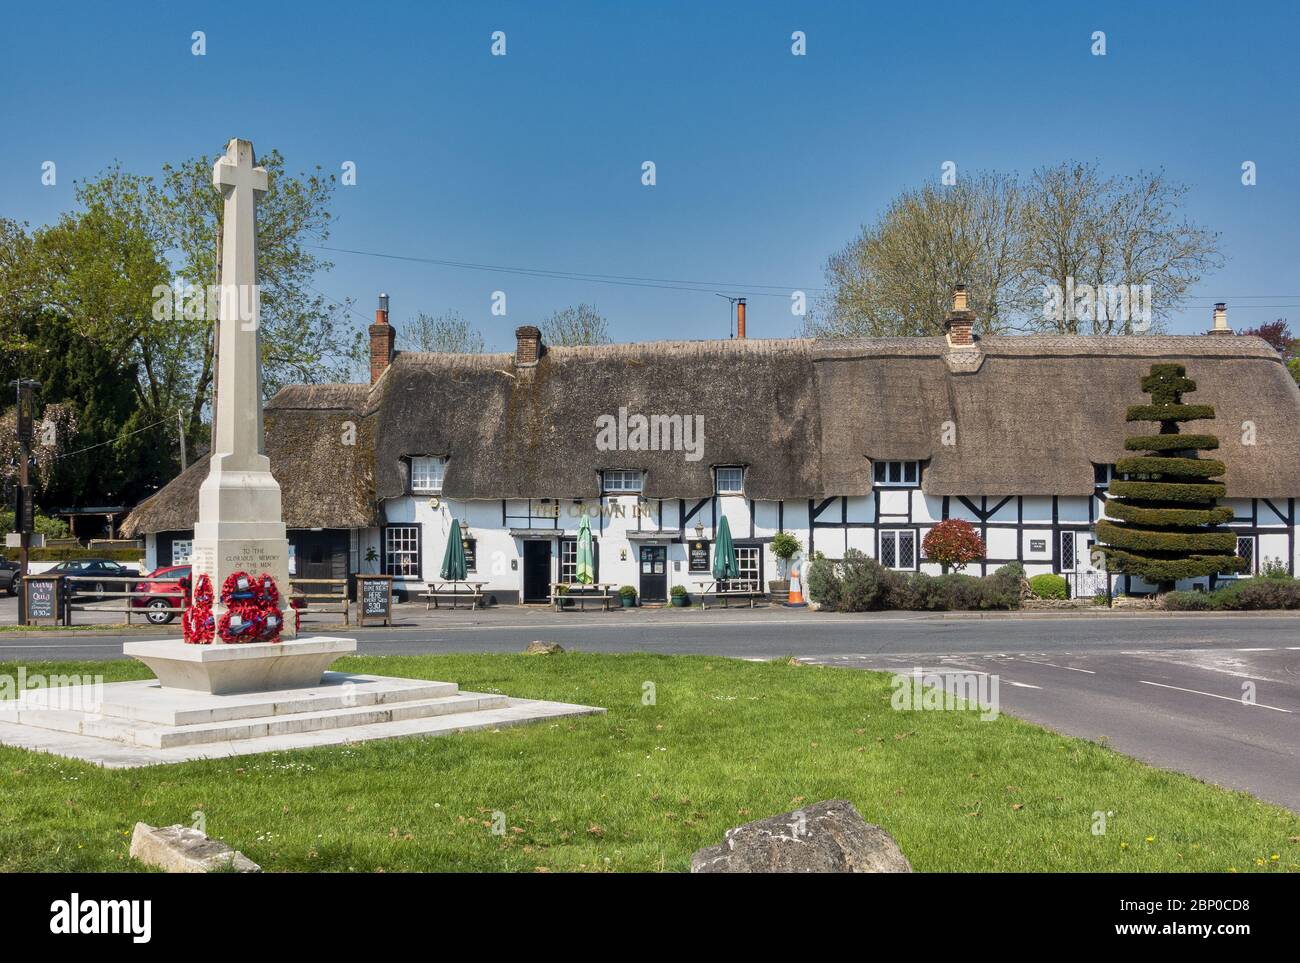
x=1167 y=690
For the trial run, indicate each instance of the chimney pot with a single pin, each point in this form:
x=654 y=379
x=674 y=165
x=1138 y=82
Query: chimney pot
x=528 y=346
x=383 y=339
x=740 y=317
x=959 y=302
x=1221 y=319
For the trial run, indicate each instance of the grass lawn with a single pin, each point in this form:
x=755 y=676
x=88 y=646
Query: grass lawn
x=641 y=788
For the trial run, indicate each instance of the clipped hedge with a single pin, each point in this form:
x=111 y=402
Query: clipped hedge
x=1166 y=491
x=1171 y=570
x=1157 y=541
x=1250 y=594
x=1169 y=412
x=1171 y=443
x=1168 y=516
x=858 y=583
x=1048 y=586
x=1171 y=467
x=63 y=554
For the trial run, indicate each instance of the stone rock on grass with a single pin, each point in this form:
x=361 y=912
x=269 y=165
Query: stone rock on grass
x=180 y=849
x=544 y=648
x=826 y=837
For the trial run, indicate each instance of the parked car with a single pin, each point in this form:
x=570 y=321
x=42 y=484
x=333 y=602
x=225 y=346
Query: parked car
x=168 y=588
x=104 y=571
x=8 y=576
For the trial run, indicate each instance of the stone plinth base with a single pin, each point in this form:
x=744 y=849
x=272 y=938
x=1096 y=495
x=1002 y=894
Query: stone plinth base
x=222 y=669
x=127 y=724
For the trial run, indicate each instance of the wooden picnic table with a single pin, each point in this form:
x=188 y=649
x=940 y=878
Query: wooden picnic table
x=582 y=593
x=450 y=590
x=730 y=588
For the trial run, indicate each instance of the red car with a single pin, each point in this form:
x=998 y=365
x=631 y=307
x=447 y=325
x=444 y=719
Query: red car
x=168 y=588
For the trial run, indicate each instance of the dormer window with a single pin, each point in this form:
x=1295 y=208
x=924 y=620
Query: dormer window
x=427 y=472
x=898 y=474
x=1103 y=475
x=622 y=481
x=729 y=480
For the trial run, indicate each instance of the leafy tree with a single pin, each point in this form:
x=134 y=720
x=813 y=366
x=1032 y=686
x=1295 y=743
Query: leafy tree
x=449 y=333
x=1278 y=334
x=953 y=543
x=1011 y=243
x=578 y=325
x=896 y=277
x=1103 y=230
x=1166 y=518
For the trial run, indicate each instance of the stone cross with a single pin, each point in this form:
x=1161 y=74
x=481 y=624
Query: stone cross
x=240 y=527
x=239 y=372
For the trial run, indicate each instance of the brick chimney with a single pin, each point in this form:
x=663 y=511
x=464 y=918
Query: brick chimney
x=1220 y=320
x=740 y=317
x=528 y=346
x=383 y=336
x=961 y=320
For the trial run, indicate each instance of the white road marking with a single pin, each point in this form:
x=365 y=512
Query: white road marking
x=1248 y=705
x=1023 y=685
x=1253 y=650
x=1069 y=668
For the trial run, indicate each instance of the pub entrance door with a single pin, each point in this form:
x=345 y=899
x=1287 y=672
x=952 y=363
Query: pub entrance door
x=654 y=573
x=537 y=570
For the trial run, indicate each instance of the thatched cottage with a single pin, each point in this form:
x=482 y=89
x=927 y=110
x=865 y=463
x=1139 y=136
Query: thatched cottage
x=845 y=444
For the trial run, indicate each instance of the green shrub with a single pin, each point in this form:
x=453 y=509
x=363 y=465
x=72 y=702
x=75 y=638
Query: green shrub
x=1251 y=594
x=627 y=591
x=1049 y=586
x=823 y=584
x=865 y=583
x=679 y=590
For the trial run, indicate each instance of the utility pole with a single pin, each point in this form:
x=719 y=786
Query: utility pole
x=24 y=509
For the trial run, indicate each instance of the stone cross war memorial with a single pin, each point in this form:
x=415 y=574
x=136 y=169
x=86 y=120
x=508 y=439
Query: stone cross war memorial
x=240 y=681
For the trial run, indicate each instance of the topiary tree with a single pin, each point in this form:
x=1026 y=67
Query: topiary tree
x=1166 y=519
x=953 y=543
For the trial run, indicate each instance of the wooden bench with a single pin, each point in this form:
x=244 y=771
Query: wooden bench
x=582 y=594
x=319 y=594
x=731 y=590
x=473 y=591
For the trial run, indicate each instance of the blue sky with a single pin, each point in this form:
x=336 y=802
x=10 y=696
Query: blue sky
x=766 y=162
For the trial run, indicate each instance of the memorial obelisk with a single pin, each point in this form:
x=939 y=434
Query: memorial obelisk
x=240 y=528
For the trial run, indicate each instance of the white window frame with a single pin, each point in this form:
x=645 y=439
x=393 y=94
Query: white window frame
x=749 y=563
x=899 y=469
x=1254 y=557
x=1069 y=561
x=406 y=545
x=893 y=534
x=737 y=489
x=622 y=481
x=428 y=473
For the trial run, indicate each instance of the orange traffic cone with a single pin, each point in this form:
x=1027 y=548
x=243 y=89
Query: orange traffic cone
x=796 y=590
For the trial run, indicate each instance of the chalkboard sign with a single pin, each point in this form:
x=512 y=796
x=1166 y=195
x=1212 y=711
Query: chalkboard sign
x=42 y=599
x=699 y=556
x=374 y=599
x=471 y=554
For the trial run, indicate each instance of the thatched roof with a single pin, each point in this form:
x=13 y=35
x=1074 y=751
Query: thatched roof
x=1028 y=415
x=324 y=481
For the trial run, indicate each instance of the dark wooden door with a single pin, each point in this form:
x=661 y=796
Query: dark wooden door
x=537 y=570
x=654 y=573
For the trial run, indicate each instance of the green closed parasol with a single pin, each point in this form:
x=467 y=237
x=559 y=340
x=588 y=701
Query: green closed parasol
x=724 y=553
x=585 y=571
x=453 y=562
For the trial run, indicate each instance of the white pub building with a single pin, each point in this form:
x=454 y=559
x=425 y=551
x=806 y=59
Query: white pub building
x=843 y=443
